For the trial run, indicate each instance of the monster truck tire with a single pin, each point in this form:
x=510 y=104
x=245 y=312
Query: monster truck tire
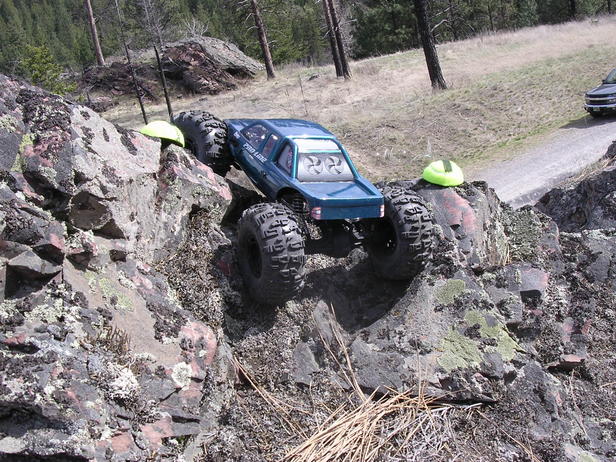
x=271 y=253
x=403 y=239
x=206 y=137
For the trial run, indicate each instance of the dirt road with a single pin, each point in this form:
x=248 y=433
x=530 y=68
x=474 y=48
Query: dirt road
x=524 y=179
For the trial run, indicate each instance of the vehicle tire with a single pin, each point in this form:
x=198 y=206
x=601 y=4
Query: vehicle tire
x=596 y=115
x=403 y=240
x=206 y=137
x=271 y=253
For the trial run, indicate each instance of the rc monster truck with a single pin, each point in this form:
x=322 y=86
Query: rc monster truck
x=317 y=202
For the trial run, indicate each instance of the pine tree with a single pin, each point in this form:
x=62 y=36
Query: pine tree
x=332 y=39
x=98 y=52
x=39 y=65
x=262 y=36
x=434 y=67
x=12 y=37
x=526 y=14
x=346 y=71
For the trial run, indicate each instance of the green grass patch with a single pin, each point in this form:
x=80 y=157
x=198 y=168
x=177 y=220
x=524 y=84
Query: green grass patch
x=476 y=123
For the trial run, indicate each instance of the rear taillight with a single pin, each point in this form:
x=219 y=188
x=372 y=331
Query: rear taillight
x=382 y=212
x=315 y=213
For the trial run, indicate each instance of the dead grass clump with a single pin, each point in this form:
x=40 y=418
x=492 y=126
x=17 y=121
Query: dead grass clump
x=370 y=68
x=112 y=339
x=400 y=426
x=387 y=425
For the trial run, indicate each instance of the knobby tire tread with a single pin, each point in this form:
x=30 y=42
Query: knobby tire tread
x=207 y=137
x=414 y=228
x=278 y=235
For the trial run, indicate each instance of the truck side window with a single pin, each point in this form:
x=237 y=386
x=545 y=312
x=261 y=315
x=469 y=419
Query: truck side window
x=271 y=142
x=255 y=135
x=285 y=159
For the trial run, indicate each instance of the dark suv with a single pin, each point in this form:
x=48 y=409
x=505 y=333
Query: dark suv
x=602 y=100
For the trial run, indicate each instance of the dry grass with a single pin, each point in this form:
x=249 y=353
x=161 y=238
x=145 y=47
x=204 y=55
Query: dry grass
x=391 y=426
x=112 y=339
x=399 y=426
x=504 y=88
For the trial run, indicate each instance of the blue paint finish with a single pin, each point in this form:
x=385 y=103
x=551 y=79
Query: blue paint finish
x=284 y=127
x=338 y=199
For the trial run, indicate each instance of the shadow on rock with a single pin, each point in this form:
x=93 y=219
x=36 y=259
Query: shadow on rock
x=357 y=295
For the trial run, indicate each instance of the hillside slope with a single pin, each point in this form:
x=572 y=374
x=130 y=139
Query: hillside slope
x=504 y=89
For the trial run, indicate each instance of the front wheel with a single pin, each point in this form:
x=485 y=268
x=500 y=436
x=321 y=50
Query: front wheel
x=402 y=242
x=271 y=253
x=206 y=137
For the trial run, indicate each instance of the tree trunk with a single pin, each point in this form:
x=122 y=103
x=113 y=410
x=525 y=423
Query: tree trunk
x=572 y=8
x=453 y=21
x=267 y=56
x=609 y=6
x=434 y=68
x=100 y=60
x=490 y=15
x=130 y=64
x=346 y=72
x=332 y=38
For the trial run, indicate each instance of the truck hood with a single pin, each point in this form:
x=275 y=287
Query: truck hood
x=603 y=90
x=342 y=194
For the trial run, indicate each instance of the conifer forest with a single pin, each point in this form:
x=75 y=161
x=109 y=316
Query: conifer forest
x=58 y=30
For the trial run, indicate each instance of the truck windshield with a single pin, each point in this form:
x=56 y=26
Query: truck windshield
x=321 y=160
x=317 y=166
x=611 y=78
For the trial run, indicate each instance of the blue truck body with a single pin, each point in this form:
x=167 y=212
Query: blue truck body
x=289 y=156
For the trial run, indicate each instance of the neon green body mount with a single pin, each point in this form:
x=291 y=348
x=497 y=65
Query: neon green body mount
x=443 y=173
x=165 y=131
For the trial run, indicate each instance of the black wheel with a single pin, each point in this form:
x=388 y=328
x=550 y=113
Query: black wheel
x=206 y=137
x=595 y=115
x=271 y=253
x=402 y=242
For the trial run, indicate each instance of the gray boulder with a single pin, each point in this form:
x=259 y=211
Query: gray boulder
x=98 y=360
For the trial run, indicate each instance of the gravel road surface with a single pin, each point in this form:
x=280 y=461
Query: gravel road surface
x=566 y=152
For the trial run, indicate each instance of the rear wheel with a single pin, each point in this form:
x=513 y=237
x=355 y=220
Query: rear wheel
x=402 y=242
x=271 y=253
x=206 y=137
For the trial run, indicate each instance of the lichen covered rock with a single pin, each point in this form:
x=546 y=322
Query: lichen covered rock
x=98 y=359
x=125 y=333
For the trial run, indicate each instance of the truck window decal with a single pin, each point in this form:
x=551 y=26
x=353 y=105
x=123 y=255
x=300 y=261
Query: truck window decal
x=253 y=152
x=323 y=166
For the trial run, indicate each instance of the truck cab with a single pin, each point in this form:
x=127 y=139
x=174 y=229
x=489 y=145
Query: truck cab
x=290 y=158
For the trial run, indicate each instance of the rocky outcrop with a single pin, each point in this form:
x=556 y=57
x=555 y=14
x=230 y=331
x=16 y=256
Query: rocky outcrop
x=125 y=333
x=98 y=359
x=511 y=313
x=587 y=204
x=197 y=66
x=207 y=65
